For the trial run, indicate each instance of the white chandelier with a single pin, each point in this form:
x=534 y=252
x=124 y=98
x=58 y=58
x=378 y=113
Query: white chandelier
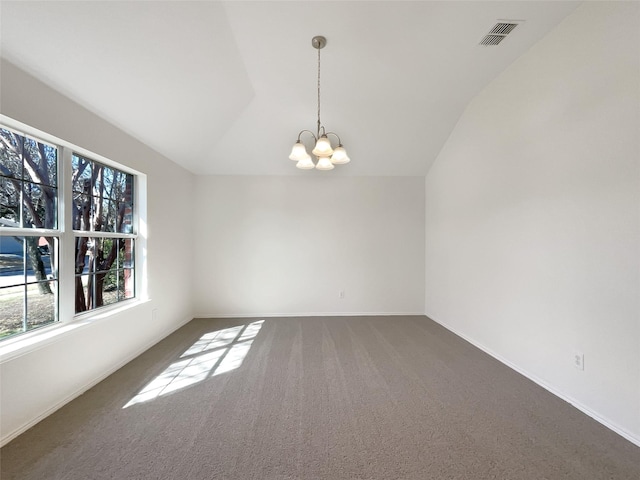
x=326 y=155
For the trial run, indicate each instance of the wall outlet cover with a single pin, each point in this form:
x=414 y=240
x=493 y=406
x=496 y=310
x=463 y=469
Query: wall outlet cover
x=578 y=360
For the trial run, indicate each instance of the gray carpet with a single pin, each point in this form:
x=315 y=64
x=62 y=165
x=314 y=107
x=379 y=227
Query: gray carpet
x=318 y=398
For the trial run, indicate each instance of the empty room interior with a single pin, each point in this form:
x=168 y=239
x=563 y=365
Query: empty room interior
x=304 y=239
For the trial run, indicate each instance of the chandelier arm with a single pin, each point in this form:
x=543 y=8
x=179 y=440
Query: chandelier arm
x=332 y=133
x=308 y=131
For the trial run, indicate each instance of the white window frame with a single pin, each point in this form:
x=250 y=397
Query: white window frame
x=66 y=317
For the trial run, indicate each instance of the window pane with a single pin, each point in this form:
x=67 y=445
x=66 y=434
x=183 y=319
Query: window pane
x=103 y=186
x=10 y=153
x=125 y=253
x=39 y=203
x=38 y=263
x=11 y=261
x=81 y=255
x=106 y=220
x=40 y=162
x=15 y=269
x=125 y=217
x=81 y=174
x=90 y=257
x=28 y=170
x=9 y=203
x=97 y=182
x=103 y=197
x=110 y=287
x=28 y=283
x=48 y=247
x=11 y=310
x=83 y=293
x=81 y=211
x=120 y=184
x=104 y=252
x=126 y=284
x=104 y=269
x=41 y=304
x=52 y=164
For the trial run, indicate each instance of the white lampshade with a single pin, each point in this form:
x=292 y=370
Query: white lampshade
x=324 y=163
x=323 y=148
x=305 y=163
x=298 y=152
x=339 y=156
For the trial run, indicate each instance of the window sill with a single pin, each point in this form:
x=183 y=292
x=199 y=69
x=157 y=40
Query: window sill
x=30 y=341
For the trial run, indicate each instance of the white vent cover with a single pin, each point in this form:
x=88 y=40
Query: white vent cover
x=499 y=32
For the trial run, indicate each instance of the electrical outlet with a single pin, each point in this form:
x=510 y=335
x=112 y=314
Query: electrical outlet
x=341 y=294
x=578 y=360
x=154 y=314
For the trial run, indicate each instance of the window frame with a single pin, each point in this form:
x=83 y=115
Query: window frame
x=66 y=317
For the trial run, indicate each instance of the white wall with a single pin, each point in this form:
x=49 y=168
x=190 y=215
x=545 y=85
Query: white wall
x=532 y=215
x=42 y=380
x=289 y=245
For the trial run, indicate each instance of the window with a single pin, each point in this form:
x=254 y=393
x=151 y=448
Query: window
x=104 y=245
x=42 y=213
x=28 y=262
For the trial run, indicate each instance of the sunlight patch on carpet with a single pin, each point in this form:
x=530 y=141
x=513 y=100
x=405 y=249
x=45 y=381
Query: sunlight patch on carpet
x=212 y=354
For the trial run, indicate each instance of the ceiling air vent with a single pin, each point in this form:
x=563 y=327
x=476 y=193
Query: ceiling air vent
x=498 y=33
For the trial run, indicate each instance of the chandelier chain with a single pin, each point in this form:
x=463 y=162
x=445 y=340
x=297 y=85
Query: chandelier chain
x=318 y=93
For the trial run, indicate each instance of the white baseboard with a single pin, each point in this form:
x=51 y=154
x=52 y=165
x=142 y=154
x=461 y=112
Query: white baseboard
x=577 y=404
x=307 y=314
x=10 y=436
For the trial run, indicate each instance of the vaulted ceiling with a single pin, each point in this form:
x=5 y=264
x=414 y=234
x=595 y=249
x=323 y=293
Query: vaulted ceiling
x=225 y=87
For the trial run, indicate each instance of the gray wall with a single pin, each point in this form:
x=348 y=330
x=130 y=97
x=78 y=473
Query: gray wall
x=290 y=245
x=533 y=220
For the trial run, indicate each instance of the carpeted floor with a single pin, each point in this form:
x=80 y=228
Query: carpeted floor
x=318 y=398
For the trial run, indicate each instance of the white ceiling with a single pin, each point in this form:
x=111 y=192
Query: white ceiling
x=225 y=87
